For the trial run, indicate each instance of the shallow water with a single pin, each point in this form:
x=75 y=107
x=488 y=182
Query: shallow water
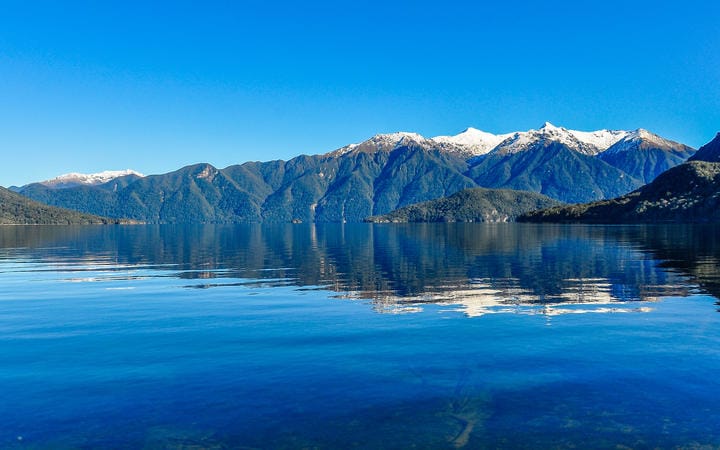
x=359 y=336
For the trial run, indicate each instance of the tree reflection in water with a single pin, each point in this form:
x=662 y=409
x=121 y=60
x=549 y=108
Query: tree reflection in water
x=475 y=268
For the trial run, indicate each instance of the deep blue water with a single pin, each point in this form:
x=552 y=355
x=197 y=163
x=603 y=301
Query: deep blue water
x=360 y=336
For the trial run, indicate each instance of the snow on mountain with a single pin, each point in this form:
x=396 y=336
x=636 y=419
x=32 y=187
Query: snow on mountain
x=474 y=141
x=383 y=142
x=602 y=139
x=396 y=139
x=471 y=142
x=642 y=138
x=76 y=179
x=587 y=142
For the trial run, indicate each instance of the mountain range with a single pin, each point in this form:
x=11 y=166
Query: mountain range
x=381 y=174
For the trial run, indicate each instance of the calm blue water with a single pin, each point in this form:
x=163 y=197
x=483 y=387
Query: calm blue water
x=359 y=336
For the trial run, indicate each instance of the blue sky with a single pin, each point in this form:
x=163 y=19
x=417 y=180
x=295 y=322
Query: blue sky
x=88 y=85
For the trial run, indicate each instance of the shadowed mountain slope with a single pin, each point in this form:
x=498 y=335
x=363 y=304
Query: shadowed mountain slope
x=684 y=194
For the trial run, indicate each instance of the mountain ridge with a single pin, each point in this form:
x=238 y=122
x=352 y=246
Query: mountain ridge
x=476 y=142
x=85 y=179
x=374 y=177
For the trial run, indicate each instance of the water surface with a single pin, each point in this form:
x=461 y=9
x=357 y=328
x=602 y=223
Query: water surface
x=359 y=336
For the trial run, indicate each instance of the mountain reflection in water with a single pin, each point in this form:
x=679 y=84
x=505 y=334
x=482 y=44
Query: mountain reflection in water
x=474 y=268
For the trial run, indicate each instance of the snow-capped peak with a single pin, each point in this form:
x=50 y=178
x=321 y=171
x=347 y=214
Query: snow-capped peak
x=472 y=140
x=588 y=142
x=75 y=179
x=475 y=142
x=397 y=138
x=641 y=138
x=383 y=142
x=602 y=139
x=522 y=141
x=644 y=134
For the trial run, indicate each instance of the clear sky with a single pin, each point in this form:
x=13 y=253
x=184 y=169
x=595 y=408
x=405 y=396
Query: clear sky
x=87 y=86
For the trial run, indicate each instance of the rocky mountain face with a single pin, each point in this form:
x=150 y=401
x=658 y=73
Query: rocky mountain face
x=688 y=193
x=370 y=178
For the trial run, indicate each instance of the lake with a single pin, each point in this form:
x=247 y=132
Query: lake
x=360 y=336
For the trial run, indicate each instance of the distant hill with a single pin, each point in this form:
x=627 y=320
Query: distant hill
x=471 y=205
x=18 y=210
x=687 y=193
